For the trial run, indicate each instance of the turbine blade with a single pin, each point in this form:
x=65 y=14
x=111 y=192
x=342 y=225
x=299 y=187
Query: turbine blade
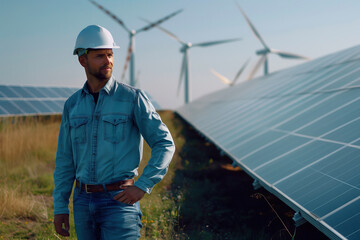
x=257 y=66
x=206 y=44
x=182 y=71
x=252 y=27
x=118 y=20
x=154 y=24
x=173 y=36
x=128 y=56
x=221 y=77
x=288 y=55
x=240 y=71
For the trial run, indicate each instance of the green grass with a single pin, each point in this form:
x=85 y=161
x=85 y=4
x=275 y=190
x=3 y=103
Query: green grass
x=26 y=166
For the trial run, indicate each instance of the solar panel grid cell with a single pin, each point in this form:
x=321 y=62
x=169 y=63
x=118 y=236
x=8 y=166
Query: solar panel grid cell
x=60 y=92
x=25 y=107
x=8 y=92
x=296 y=159
x=10 y=107
x=41 y=106
x=37 y=93
x=2 y=110
x=55 y=107
x=21 y=92
x=2 y=95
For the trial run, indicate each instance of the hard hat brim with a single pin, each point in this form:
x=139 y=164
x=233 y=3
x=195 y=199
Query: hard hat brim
x=98 y=47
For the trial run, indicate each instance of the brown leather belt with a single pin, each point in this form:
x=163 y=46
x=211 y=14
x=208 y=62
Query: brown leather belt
x=92 y=188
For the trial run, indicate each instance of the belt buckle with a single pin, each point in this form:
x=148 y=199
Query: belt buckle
x=86 y=189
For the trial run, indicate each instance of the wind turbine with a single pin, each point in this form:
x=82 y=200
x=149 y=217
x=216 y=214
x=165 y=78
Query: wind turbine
x=226 y=80
x=130 y=58
x=266 y=50
x=185 y=46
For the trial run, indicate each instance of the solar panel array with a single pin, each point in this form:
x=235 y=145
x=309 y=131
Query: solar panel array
x=26 y=100
x=297 y=133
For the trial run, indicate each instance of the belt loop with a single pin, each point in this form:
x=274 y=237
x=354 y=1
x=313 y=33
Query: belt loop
x=104 y=186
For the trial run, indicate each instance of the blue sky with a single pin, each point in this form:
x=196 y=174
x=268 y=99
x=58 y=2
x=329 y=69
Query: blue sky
x=37 y=39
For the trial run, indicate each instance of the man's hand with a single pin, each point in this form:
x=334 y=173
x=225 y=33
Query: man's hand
x=59 y=220
x=130 y=195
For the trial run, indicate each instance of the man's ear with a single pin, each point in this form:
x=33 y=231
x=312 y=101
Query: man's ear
x=82 y=60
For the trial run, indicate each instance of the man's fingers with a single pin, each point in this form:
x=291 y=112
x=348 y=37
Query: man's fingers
x=123 y=197
x=67 y=225
x=64 y=233
x=58 y=228
x=130 y=195
x=125 y=186
x=61 y=231
x=118 y=196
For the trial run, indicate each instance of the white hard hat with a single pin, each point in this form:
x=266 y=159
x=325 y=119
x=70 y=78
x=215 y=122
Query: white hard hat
x=94 y=37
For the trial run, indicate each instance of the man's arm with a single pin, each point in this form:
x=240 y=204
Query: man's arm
x=64 y=176
x=158 y=137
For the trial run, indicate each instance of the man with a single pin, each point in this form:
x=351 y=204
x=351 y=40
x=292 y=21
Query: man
x=100 y=147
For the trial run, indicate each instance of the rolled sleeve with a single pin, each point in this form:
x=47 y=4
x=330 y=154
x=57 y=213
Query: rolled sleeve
x=158 y=137
x=64 y=173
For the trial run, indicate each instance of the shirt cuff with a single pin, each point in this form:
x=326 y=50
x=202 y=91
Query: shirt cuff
x=62 y=210
x=145 y=185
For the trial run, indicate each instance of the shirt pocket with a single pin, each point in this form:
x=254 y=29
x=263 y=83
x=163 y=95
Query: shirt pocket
x=78 y=129
x=114 y=127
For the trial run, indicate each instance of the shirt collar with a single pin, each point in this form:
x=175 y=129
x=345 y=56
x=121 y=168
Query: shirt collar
x=109 y=85
x=107 y=88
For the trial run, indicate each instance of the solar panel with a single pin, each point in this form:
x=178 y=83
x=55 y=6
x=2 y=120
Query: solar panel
x=297 y=132
x=23 y=100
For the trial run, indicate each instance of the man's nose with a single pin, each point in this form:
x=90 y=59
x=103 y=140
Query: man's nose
x=108 y=60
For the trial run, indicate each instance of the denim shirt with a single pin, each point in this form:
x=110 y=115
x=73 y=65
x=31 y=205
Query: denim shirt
x=102 y=143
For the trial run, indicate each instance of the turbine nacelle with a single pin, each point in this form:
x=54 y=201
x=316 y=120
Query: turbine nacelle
x=185 y=47
x=263 y=51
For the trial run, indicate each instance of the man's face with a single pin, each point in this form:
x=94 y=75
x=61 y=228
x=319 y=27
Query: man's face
x=99 y=63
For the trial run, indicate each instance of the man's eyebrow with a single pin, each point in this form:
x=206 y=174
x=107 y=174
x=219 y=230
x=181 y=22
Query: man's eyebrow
x=101 y=54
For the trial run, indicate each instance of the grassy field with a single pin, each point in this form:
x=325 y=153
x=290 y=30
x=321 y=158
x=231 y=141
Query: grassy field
x=201 y=197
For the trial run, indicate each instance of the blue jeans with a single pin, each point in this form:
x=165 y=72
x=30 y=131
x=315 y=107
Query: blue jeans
x=98 y=216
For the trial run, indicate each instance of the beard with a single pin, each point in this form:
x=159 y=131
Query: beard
x=98 y=74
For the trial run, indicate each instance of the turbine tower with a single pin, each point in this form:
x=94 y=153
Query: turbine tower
x=266 y=50
x=185 y=68
x=130 y=58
